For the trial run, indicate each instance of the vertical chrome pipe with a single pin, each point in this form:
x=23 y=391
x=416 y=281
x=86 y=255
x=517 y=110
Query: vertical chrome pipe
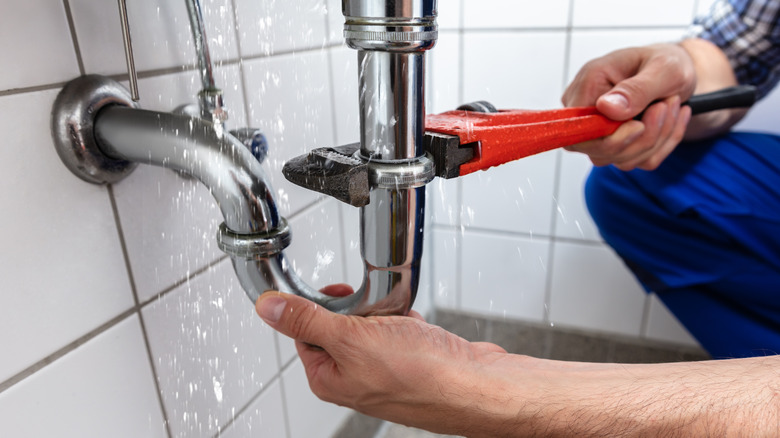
x=201 y=45
x=391 y=37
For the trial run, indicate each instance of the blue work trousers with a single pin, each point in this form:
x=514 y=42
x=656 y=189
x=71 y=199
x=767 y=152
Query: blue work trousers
x=703 y=232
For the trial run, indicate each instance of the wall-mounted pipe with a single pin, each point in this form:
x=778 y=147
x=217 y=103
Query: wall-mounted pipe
x=96 y=129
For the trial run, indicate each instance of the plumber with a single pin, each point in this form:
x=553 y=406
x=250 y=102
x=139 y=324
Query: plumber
x=698 y=223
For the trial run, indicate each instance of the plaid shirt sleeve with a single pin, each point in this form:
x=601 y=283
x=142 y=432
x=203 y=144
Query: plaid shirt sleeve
x=748 y=32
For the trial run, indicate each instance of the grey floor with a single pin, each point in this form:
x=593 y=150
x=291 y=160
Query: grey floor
x=533 y=340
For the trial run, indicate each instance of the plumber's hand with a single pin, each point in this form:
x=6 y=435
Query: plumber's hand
x=397 y=368
x=621 y=85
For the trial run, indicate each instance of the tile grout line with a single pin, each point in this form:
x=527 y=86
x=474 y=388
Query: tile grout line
x=102 y=328
x=74 y=36
x=221 y=429
x=48 y=360
x=516 y=234
x=147 y=74
x=134 y=289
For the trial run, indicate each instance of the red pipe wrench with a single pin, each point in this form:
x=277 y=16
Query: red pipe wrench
x=478 y=137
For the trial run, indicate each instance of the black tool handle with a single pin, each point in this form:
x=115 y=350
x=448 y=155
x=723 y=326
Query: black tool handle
x=740 y=96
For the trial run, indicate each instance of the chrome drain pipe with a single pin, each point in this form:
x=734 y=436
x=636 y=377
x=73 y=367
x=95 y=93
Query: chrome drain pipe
x=101 y=136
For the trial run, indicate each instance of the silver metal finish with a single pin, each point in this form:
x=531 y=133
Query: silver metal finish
x=131 y=73
x=407 y=174
x=391 y=36
x=392 y=106
x=197 y=148
x=72 y=128
x=212 y=106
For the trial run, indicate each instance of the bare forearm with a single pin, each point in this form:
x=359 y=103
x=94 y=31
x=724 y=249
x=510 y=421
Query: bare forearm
x=713 y=72
x=548 y=398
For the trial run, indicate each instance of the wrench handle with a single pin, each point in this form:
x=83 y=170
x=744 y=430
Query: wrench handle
x=739 y=96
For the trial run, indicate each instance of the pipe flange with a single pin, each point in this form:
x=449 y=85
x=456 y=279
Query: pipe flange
x=72 y=128
x=254 y=245
x=400 y=174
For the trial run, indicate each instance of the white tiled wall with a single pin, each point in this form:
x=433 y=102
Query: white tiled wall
x=122 y=318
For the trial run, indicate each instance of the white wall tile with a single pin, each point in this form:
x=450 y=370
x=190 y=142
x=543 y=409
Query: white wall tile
x=309 y=416
x=344 y=74
x=103 y=388
x=572 y=218
x=335 y=21
x=504 y=276
x=266 y=28
x=35 y=44
x=449 y=14
x=592 y=289
x=591 y=44
x=515 y=14
x=443 y=83
x=527 y=75
x=632 y=13
x=516 y=197
x=289 y=99
x=446 y=280
x=160 y=33
x=662 y=325
x=212 y=352
x=61 y=265
x=316 y=252
x=443 y=201
x=263 y=418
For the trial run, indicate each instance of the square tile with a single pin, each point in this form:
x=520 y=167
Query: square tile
x=622 y=13
x=512 y=14
x=444 y=202
x=508 y=82
x=35 y=38
x=289 y=100
x=504 y=275
x=335 y=21
x=211 y=350
x=309 y=416
x=444 y=74
x=160 y=32
x=446 y=278
x=62 y=265
x=103 y=388
x=572 y=219
x=515 y=197
x=592 y=289
x=266 y=28
x=449 y=14
x=263 y=418
x=344 y=77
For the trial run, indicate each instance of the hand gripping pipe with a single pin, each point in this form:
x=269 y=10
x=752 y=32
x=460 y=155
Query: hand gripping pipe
x=100 y=136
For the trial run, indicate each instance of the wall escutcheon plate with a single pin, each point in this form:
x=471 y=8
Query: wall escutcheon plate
x=72 y=127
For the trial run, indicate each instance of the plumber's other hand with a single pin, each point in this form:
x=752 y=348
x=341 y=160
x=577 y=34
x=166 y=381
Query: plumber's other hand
x=621 y=85
x=397 y=368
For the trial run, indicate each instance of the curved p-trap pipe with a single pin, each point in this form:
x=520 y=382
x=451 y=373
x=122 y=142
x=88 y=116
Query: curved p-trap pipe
x=99 y=135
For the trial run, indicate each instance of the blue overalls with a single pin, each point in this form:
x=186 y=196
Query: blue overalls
x=703 y=232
